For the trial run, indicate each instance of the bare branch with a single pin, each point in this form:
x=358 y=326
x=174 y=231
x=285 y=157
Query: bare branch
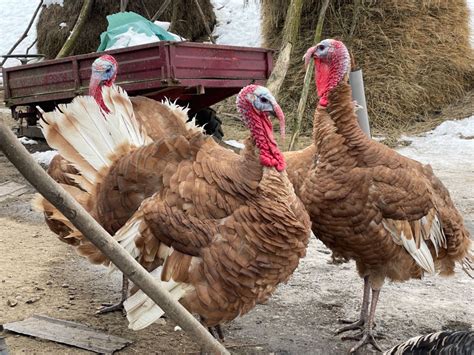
x=204 y=21
x=68 y=46
x=25 y=34
x=160 y=10
x=307 y=78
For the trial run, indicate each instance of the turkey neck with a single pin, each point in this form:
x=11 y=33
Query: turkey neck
x=337 y=124
x=261 y=131
x=98 y=95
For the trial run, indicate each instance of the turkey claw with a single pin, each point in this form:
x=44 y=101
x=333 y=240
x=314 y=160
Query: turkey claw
x=351 y=325
x=108 y=308
x=366 y=337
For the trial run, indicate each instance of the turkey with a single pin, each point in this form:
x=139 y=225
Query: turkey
x=220 y=230
x=459 y=342
x=367 y=203
x=153 y=117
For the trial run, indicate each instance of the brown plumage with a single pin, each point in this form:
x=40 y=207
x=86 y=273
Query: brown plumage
x=368 y=203
x=220 y=230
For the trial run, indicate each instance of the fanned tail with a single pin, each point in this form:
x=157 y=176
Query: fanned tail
x=90 y=138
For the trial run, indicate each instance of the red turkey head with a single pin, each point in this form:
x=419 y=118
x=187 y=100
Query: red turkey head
x=332 y=63
x=255 y=103
x=104 y=72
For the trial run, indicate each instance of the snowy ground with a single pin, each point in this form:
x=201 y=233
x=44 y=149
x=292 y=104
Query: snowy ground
x=238 y=24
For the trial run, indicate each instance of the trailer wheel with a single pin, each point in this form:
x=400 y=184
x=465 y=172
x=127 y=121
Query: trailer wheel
x=207 y=118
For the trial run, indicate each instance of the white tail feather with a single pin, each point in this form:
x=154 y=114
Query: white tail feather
x=142 y=311
x=92 y=133
x=421 y=255
x=126 y=237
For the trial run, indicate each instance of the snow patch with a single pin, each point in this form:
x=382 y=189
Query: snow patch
x=450 y=146
x=237 y=24
x=163 y=24
x=44 y=158
x=25 y=140
x=62 y=25
x=132 y=38
x=53 y=2
x=470 y=5
x=15 y=16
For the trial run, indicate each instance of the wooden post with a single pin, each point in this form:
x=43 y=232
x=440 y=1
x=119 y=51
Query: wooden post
x=290 y=35
x=68 y=46
x=307 y=78
x=93 y=231
x=25 y=34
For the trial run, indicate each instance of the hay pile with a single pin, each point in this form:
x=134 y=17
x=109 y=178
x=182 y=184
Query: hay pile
x=415 y=55
x=51 y=36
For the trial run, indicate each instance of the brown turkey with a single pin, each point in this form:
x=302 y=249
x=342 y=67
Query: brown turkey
x=368 y=203
x=155 y=119
x=220 y=231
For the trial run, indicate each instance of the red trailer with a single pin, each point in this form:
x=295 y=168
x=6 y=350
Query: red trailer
x=195 y=74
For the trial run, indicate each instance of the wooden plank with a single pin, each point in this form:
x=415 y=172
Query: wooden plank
x=69 y=333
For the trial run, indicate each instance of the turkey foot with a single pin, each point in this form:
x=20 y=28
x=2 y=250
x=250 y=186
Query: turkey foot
x=360 y=335
x=367 y=337
x=217 y=330
x=359 y=324
x=108 y=307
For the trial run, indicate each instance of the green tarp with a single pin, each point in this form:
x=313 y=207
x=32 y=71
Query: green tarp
x=124 y=22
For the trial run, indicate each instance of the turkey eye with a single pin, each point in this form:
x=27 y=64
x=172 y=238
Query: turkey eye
x=264 y=100
x=320 y=47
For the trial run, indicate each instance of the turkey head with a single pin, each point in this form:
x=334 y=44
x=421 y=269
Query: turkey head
x=332 y=64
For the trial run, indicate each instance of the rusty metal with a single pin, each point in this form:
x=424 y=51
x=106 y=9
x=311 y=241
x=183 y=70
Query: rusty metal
x=196 y=74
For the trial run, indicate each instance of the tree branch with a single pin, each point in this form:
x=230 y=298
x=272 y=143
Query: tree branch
x=206 y=25
x=68 y=46
x=160 y=10
x=307 y=78
x=290 y=35
x=25 y=34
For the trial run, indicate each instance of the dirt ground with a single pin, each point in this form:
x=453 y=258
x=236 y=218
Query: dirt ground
x=40 y=275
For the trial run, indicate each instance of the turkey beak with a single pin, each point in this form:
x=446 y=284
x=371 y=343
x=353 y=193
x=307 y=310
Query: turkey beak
x=94 y=83
x=278 y=113
x=308 y=55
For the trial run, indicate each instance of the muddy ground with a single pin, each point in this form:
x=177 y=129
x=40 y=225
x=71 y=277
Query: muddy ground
x=40 y=275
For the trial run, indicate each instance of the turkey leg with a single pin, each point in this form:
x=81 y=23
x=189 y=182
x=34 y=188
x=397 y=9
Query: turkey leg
x=107 y=308
x=215 y=331
x=367 y=335
x=359 y=324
